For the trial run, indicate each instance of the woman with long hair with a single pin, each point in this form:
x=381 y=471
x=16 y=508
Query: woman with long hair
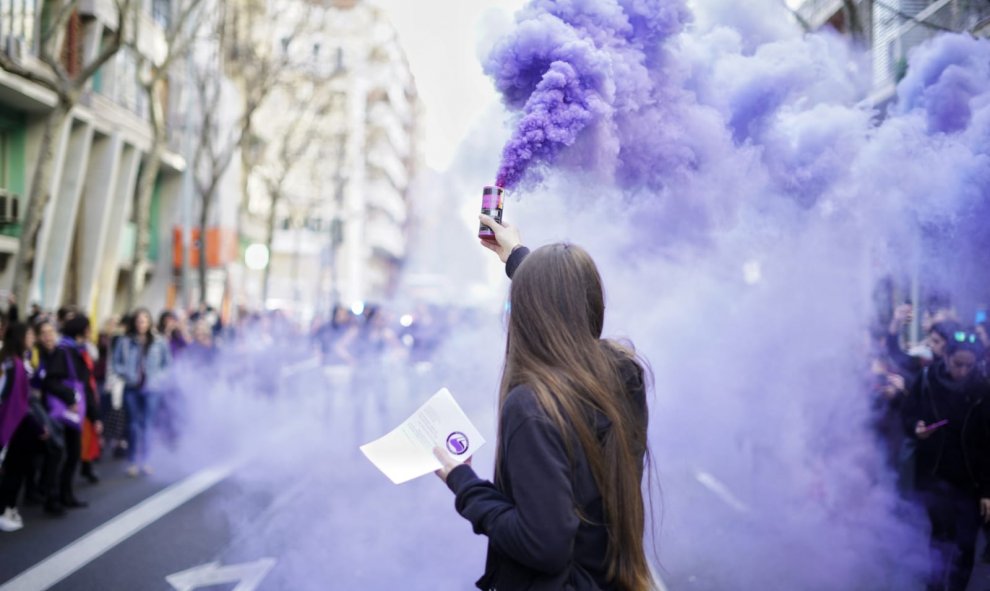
x=141 y=359
x=566 y=509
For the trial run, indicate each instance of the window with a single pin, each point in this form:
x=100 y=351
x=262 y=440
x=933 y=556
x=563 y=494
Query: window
x=17 y=21
x=161 y=12
x=316 y=51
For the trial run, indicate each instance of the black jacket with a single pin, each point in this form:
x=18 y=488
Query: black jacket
x=530 y=516
x=959 y=452
x=54 y=370
x=537 y=541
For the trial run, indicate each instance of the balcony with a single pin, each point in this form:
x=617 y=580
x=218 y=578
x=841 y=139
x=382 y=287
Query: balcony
x=381 y=195
x=895 y=36
x=382 y=120
x=382 y=156
x=385 y=237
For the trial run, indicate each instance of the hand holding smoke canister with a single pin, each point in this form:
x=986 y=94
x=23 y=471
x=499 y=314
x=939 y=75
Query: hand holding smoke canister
x=492 y=200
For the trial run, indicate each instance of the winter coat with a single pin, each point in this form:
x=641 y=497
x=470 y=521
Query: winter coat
x=959 y=452
x=140 y=367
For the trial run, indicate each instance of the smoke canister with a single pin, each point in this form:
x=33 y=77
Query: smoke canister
x=492 y=199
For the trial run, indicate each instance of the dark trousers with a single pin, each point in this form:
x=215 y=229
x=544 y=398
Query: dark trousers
x=18 y=464
x=141 y=408
x=73 y=451
x=955 y=520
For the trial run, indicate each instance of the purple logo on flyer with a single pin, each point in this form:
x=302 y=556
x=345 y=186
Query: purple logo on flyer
x=457 y=443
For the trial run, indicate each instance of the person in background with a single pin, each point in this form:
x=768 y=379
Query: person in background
x=20 y=433
x=92 y=431
x=171 y=330
x=566 y=509
x=203 y=349
x=62 y=377
x=111 y=387
x=140 y=358
x=947 y=414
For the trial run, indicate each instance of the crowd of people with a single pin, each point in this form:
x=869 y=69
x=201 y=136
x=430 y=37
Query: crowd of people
x=933 y=402
x=72 y=396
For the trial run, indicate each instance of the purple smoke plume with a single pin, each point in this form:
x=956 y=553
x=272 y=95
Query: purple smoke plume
x=571 y=66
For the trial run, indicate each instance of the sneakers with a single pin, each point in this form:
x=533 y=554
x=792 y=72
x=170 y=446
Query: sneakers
x=133 y=471
x=11 y=520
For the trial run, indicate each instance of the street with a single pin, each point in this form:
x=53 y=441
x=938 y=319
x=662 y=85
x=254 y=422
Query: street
x=300 y=508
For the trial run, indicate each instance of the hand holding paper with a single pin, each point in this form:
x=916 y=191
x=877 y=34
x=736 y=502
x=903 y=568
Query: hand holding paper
x=447 y=462
x=406 y=452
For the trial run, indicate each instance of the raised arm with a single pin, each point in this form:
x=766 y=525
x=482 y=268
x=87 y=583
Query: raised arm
x=507 y=244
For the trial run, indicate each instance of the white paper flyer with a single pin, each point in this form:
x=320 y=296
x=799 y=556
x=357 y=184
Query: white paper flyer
x=406 y=452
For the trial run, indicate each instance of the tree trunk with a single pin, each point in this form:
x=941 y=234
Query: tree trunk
x=269 y=241
x=146 y=190
x=204 y=216
x=40 y=195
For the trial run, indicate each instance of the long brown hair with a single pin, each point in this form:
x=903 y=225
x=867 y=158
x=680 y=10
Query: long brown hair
x=554 y=347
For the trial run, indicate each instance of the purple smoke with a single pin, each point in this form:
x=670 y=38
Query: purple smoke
x=743 y=144
x=571 y=66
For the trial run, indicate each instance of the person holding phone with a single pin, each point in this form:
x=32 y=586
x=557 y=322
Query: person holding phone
x=565 y=509
x=948 y=414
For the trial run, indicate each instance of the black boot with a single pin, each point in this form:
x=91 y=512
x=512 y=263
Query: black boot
x=54 y=508
x=72 y=502
x=88 y=473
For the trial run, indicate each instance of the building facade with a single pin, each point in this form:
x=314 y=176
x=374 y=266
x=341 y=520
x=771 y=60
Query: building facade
x=87 y=237
x=892 y=28
x=344 y=119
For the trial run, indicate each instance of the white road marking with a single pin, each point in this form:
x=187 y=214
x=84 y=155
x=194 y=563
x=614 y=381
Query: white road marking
x=91 y=546
x=720 y=490
x=658 y=584
x=247 y=575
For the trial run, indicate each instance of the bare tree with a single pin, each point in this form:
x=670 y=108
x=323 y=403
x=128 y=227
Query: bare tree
x=154 y=77
x=300 y=135
x=259 y=70
x=68 y=82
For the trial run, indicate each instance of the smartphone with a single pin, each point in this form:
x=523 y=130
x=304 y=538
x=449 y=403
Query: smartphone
x=934 y=426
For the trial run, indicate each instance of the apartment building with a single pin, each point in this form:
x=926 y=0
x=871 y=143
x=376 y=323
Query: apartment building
x=340 y=232
x=87 y=237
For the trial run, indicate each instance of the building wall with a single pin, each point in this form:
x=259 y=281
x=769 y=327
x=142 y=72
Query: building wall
x=88 y=225
x=345 y=207
x=895 y=27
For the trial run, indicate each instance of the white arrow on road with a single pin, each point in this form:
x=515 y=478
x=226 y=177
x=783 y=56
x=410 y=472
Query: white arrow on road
x=247 y=576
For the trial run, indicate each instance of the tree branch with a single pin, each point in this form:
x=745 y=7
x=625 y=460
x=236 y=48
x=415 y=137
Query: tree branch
x=107 y=52
x=58 y=23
